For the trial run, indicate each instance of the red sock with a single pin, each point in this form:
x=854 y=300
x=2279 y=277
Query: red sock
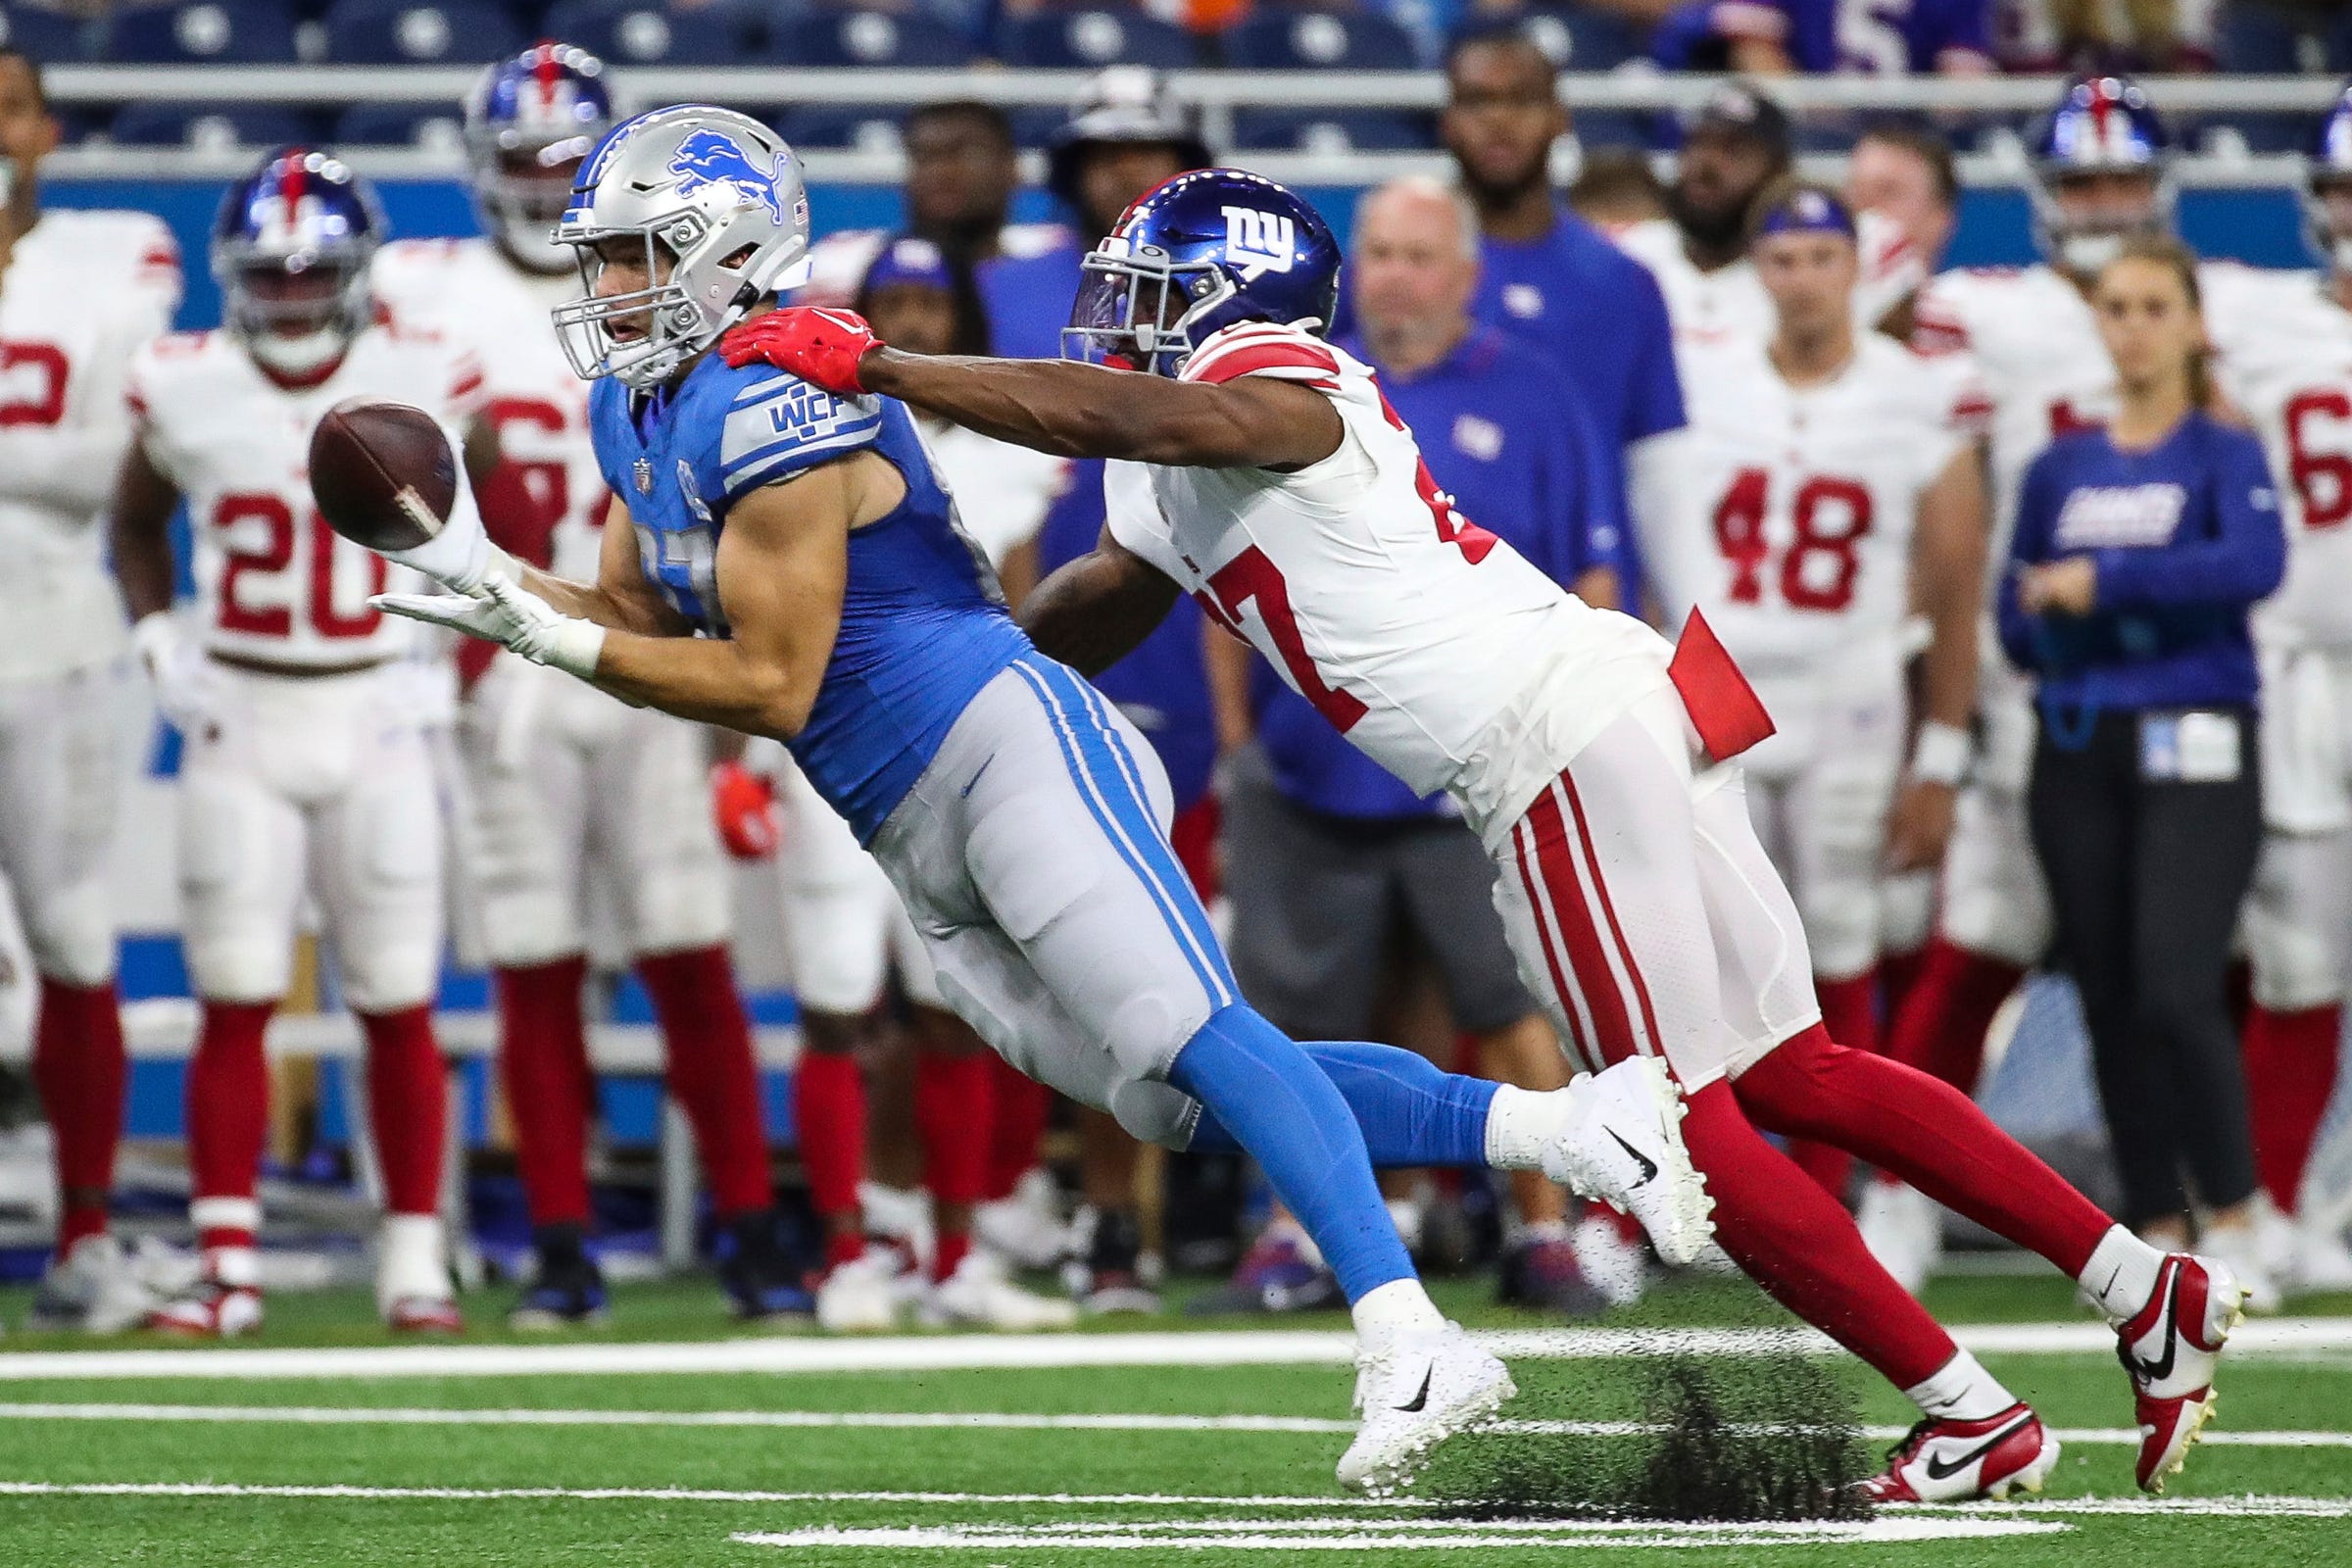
x=550 y=1091
x=1193 y=838
x=1849 y=1012
x=1018 y=1130
x=80 y=1067
x=1941 y=1025
x=1803 y=1248
x=408 y=1106
x=713 y=1073
x=1927 y=1133
x=954 y=1117
x=228 y=1117
x=2290 y=1074
x=828 y=1113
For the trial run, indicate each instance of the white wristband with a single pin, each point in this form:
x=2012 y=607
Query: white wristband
x=575 y=646
x=1941 y=753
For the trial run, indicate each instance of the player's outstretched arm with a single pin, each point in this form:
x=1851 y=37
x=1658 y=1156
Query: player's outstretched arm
x=1094 y=611
x=621 y=599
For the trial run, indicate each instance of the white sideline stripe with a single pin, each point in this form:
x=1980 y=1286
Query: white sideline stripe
x=964 y=1420
x=1289 y=1536
x=950 y=1352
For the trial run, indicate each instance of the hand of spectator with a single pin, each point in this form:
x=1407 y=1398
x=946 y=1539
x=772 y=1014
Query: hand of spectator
x=2069 y=587
x=1920 y=825
x=819 y=346
x=744 y=804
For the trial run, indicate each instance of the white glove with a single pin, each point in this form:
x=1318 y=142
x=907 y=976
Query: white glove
x=461 y=555
x=502 y=613
x=176 y=668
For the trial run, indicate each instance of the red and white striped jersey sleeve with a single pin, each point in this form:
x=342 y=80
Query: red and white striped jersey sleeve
x=1262 y=348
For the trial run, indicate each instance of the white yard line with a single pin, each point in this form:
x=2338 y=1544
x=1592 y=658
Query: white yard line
x=957 y=1420
x=1292 y=1536
x=973 y=1352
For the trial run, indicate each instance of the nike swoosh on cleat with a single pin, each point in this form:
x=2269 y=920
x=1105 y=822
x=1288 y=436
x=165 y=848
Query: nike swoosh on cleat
x=2158 y=1371
x=1650 y=1166
x=1420 y=1400
x=1938 y=1470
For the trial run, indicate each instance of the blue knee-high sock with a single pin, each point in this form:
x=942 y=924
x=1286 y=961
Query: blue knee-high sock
x=1279 y=1106
x=1409 y=1112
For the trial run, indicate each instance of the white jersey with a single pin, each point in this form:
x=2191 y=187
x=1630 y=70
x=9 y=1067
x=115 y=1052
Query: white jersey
x=2288 y=366
x=1415 y=632
x=1001 y=492
x=274 y=583
x=1729 y=304
x=1786 y=514
x=468 y=293
x=81 y=291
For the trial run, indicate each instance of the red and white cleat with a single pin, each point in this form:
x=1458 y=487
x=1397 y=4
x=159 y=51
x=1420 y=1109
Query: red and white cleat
x=1961 y=1461
x=209 y=1310
x=424 y=1314
x=2170 y=1347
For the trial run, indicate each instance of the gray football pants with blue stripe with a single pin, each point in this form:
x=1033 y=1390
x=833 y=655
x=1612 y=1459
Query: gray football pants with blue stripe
x=1033 y=858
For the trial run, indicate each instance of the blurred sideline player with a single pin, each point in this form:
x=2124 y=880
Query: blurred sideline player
x=306 y=765
x=1905 y=179
x=2290 y=368
x=565 y=784
x=79 y=291
x=846 y=931
x=1595 y=768
x=1823 y=474
x=2101 y=173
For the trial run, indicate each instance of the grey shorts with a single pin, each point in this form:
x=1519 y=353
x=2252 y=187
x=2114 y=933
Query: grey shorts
x=1318 y=899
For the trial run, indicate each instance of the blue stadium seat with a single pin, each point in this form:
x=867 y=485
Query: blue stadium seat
x=1285 y=40
x=1035 y=126
x=419 y=32
x=1579 y=39
x=44 y=34
x=1080 y=41
x=837 y=124
x=646 y=33
x=204 y=33
x=2254 y=38
x=867 y=38
x=1333 y=129
x=211 y=125
x=401 y=126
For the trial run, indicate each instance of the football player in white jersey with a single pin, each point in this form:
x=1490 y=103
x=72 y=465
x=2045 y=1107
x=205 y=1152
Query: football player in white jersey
x=1821 y=476
x=306 y=765
x=567 y=786
x=78 y=292
x=2290 y=368
x=1260 y=468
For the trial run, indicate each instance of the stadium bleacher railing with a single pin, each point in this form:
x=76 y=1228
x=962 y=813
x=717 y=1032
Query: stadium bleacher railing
x=2208 y=104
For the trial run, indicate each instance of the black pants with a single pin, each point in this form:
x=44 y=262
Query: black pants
x=2146 y=875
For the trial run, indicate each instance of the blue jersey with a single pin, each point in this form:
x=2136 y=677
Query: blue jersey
x=1507 y=435
x=923 y=627
x=1162 y=686
x=1598 y=314
x=2185 y=538
x=1874 y=38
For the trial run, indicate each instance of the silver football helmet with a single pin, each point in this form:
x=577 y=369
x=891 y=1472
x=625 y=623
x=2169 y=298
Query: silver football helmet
x=718 y=203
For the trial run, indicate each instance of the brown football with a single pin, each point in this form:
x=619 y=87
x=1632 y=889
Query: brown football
x=382 y=473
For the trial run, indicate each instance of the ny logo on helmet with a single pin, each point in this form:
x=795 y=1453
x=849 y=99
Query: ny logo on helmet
x=708 y=160
x=1258 y=242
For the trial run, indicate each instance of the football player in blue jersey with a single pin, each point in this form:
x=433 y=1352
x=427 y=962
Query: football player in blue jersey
x=784 y=562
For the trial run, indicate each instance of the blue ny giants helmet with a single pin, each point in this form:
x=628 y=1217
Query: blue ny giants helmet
x=290 y=250
x=2104 y=127
x=530 y=122
x=1194 y=256
x=2328 y=186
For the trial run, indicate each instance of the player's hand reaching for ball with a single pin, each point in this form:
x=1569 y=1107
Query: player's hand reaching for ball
x=821 y=346
x=502 y=613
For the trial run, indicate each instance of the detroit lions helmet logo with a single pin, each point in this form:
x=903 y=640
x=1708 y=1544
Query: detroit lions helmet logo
x=712 y=159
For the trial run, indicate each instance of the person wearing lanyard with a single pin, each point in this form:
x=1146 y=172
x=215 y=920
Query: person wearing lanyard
x=2139 y=550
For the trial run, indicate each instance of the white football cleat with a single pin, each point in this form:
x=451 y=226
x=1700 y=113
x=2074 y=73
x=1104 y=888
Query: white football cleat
x=1622 y=1143
x=2248 y=1251
x=1961 y=1461
x=860 y=1296
x=980 y=1294
x=1026 y=1227
x=1615 y=1264
x=103 y=1287
x=1903 y=1228
x=1416 y=1391
x=2170 y=1347
x=413 y=1293
x=2323 y=1262
x=209 y=1310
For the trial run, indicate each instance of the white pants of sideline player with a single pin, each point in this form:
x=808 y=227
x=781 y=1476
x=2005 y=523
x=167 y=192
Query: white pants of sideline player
x=566 y=785
x=1994 y=902
x=321 y=782
x=60 y=785
x=2298 y=916
x=845 y=928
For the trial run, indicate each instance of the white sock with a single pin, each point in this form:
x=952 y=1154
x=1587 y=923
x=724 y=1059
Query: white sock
x=1406 y=1215
x=1519 y=1123
x=2121 y=1275
x=1400 y=1306
x=1961 y=1389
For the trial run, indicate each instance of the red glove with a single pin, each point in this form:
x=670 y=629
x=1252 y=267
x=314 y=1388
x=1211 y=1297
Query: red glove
x=744 y=804
x=817 y=345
